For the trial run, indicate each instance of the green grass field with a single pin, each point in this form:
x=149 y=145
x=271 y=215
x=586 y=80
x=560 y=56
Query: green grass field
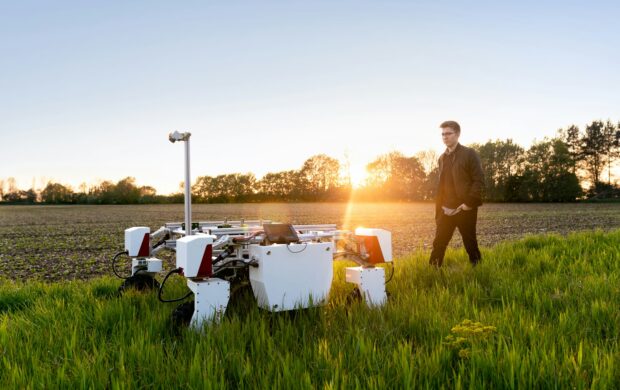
x=541 y=312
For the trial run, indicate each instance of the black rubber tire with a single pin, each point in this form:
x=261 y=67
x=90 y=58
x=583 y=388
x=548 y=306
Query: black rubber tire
x=139 y=282
x=182 y=314
x=355 y=296
x=241 y=301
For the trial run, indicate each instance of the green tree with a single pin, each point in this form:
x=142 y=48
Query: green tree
x=593 y=149
x=21 y=196
x=429 y=160
x=31 y=196
x=548 y=175
x=14 y=194
x=279 y=186
x=572 y=139
x=126 y=191
x=610 y=135
x=320 y=176
x=103 y=193
x=55 y=193
x=148 y=194
x=242 y=186
x=234 y=187
x=501 y=161
x=202 y=188
x=12 y=184
x=393 y=176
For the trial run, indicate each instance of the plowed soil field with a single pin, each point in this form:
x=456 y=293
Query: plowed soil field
x=77 y=242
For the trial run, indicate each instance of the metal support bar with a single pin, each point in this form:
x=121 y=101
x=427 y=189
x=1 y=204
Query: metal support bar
x=188 y=192
x=174 y=137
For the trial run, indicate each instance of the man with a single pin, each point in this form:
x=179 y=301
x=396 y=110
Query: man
x=458 y=195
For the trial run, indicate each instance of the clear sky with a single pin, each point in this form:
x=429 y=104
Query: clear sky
x=90 y=90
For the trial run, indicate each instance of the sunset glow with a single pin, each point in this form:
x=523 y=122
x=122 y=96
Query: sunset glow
x=262 y=86
x=358 y=175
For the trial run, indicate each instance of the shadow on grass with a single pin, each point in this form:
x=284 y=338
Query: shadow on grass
x=12 y=301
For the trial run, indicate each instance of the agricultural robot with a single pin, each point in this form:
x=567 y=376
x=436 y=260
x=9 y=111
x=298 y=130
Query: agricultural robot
x=288 y=267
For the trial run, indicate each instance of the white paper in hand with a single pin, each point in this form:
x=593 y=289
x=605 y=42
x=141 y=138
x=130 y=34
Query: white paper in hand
x=450 y=212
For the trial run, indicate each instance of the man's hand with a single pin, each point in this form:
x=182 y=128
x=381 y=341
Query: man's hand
x=451 y=212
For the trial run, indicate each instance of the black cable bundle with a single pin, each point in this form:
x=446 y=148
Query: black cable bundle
x=161 y=288
x=114 y=265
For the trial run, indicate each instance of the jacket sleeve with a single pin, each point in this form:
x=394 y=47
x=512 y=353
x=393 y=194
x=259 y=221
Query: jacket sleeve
x=474 y=196
x=438 y=211
x=438 y=199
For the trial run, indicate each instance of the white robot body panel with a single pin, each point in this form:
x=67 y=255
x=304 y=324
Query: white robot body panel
x=291 y=276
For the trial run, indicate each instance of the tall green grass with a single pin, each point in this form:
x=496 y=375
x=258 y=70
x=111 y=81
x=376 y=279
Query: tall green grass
x=540 y=312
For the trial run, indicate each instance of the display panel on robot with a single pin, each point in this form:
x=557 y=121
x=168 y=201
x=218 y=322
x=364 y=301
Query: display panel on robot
x=279 y=233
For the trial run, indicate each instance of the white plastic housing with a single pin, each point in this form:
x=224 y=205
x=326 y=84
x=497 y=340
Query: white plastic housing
x=291 y=277
x=151 y=265
x=210 y=300
x=137 y=241
x=371 y=283
x=194 y=255
x=384 y=238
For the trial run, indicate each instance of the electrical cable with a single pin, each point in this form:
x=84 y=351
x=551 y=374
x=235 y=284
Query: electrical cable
x=223 y=265
x=391 y=274
x=114 y=265
x=243 y=240
x=227 y=252
x=304 y=248
x=162 y=241
x=161 y=288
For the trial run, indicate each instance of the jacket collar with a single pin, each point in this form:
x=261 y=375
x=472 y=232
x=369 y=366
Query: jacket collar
x=456 y=149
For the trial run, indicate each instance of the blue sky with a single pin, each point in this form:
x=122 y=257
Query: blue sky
x=90 y=90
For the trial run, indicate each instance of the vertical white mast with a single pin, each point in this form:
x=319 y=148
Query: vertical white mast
x=173 y=137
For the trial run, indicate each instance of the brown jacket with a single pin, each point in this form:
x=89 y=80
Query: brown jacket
x=468 y=177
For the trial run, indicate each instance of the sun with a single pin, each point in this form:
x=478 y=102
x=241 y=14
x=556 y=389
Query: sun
x=358 y=175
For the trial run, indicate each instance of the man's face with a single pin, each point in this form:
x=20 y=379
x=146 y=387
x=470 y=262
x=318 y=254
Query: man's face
x=449 y=136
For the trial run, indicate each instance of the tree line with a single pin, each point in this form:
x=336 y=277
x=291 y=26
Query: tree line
x=575 y=164
x=125 y=191
x=567 y=167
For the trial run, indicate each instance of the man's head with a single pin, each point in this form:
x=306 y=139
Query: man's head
x=450 y=132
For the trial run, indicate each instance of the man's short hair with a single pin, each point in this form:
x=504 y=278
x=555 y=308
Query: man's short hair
x=453 y=125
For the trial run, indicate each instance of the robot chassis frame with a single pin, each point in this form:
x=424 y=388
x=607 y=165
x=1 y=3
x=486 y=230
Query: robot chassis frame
x=217 y=257
x=222 y=255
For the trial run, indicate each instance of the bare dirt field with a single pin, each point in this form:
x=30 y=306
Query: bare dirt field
x=77 y=242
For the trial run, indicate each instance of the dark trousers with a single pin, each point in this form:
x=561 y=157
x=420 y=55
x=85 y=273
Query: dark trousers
x=465 y=221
